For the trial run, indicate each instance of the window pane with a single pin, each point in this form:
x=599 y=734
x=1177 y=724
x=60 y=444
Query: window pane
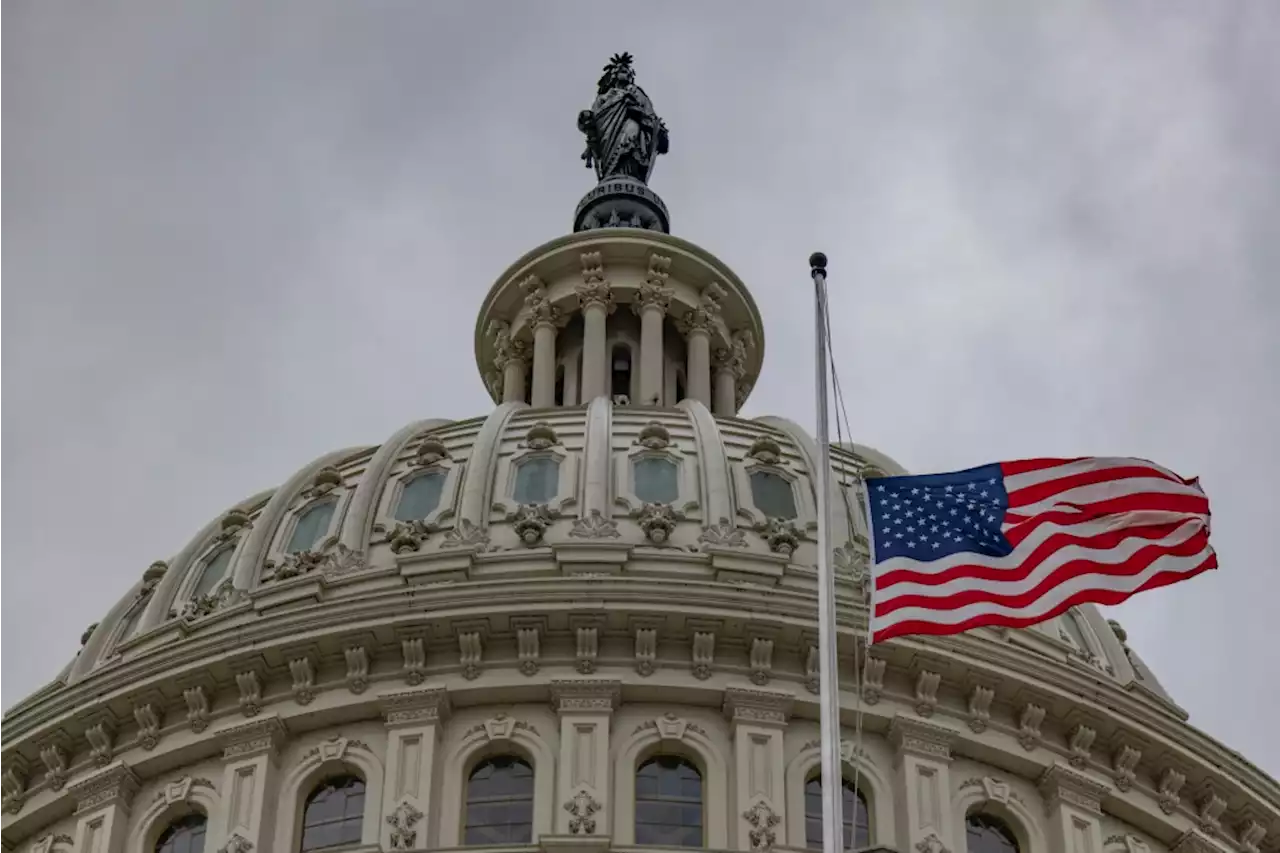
x=184 y=835
x=311 y=527
x=986 y=834
x=656 y=480
x=537 y=480
x=214 y=570
x=772 y=494
x=857 y=822
x=420 y=497
x=669 y=803
x=499 y=807
x=334 y=814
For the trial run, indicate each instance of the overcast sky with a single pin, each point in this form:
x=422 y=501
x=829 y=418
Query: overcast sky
x=238 y=235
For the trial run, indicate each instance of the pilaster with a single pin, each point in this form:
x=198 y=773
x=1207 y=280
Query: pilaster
x=585 y=707
x=923 y=786
x=102 y=809
x=758 y=720
x=413 y=719
x=250 y=752
x=1073 y=803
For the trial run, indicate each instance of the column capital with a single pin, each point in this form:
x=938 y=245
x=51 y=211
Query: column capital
x=415 y=707
x=653 y=291
x=262 y=736
x=506 y=349
x=1062 y=784
x=595 y=290
x=593 y=695
x=758 y=707
x=925 y=740
x=114 y=786
x=703 y=316
x=538 y=305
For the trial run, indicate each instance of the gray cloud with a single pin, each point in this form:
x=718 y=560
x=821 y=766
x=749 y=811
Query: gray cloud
x=233 y=230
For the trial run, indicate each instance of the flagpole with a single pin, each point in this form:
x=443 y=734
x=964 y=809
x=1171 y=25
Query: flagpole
x=828 y=673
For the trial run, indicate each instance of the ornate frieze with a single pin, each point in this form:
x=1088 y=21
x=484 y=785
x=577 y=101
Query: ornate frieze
x=723 y=534
x=763 y=822
x=597 y=695
x=742 y=705
x=582 y=808
x=262 y=736
x=415 y=707
x=1062 y=783
x=594 y=525
x=917 y=737
x=113 y=786
x=466 y=534
x=334 y=559
x=403 y=821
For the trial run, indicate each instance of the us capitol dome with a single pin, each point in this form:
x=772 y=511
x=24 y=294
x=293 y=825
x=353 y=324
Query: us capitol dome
x=586 y=621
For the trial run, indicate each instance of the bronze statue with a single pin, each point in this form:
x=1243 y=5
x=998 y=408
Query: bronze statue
x=624 y=134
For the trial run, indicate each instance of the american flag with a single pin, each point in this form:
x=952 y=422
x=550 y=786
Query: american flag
x=1015 y=543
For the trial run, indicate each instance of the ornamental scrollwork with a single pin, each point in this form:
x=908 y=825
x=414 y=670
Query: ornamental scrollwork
x=582 y=806
x=336 y=559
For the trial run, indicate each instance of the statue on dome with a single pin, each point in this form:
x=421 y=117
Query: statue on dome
x=624 y=134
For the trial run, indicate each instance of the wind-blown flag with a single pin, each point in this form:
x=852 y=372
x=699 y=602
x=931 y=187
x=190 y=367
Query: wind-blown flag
x=1015 y=543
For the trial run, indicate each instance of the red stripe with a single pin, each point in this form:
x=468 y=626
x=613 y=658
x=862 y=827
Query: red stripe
x=1022 y=466
x=1104 y=597
x=1104 y=541
x=1138 y=563
x=1049 y=488
x=1019 y=527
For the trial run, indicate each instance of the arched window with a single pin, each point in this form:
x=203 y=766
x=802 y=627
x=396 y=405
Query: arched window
x=987 y=834
x=420 y=496
x=669 y=802
x=184 y=835
x=537 y=480
x=857 y=823
x=333 y=814
x=215 y=569
x=499 y=806
x=311 y=526
x=772 y=494
x=656 y=480
x=620 y=367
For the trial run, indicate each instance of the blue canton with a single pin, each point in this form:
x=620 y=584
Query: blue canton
x=935 y=515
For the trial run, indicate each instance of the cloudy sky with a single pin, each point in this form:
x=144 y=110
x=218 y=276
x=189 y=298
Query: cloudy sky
x=238 y=235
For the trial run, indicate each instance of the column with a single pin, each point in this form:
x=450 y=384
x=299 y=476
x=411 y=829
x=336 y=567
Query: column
x=726 y=390
x=102 y=809
x=699 y=367
x=923 y=786
x=249 y=783
x=585 y=707
x=512 y=364
x=758 y=722
x=544 y=364
x=414 y=719
x=1074 y=805
x=650 y=304
x=596 y=299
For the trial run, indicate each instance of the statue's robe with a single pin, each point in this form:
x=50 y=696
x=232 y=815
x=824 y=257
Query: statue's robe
x=626 y=127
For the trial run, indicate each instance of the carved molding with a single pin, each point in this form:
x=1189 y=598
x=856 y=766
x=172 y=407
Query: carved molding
x=415 y=707
x=742 y=705
x=916 y=737
x=597 y=695
x=113 y=786
x=265 y=735
x=1061 y=783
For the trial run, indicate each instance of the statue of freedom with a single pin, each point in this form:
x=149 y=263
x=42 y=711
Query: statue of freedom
x=624 y=134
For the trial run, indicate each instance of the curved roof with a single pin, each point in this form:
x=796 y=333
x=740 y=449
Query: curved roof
x=474 y=465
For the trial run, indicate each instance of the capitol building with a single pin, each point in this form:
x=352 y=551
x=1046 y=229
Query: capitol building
x=586 y=620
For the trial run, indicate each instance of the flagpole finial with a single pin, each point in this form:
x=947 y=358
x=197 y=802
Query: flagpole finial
x=818 y=264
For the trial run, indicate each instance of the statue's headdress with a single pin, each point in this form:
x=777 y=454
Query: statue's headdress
x=617 y=62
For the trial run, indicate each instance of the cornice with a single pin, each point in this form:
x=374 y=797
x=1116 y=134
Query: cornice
x=260 y=737
x=921 y=739
x=415 y=707
x=757 y=707
x=1062 y=784
x=789 y=608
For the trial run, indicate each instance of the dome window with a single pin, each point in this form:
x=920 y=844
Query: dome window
x=620 y=371
x=215 y=569
x=537 y=480
x=772 y=494
x=311 y=526
x=184 y=835
x=334 y=814
x=988 y=834
x=669 y=802
x=420 y=496
x=857 y=824
x=500 y=802
x=656 y=480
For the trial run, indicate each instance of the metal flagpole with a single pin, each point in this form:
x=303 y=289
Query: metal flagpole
x=829 y=688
